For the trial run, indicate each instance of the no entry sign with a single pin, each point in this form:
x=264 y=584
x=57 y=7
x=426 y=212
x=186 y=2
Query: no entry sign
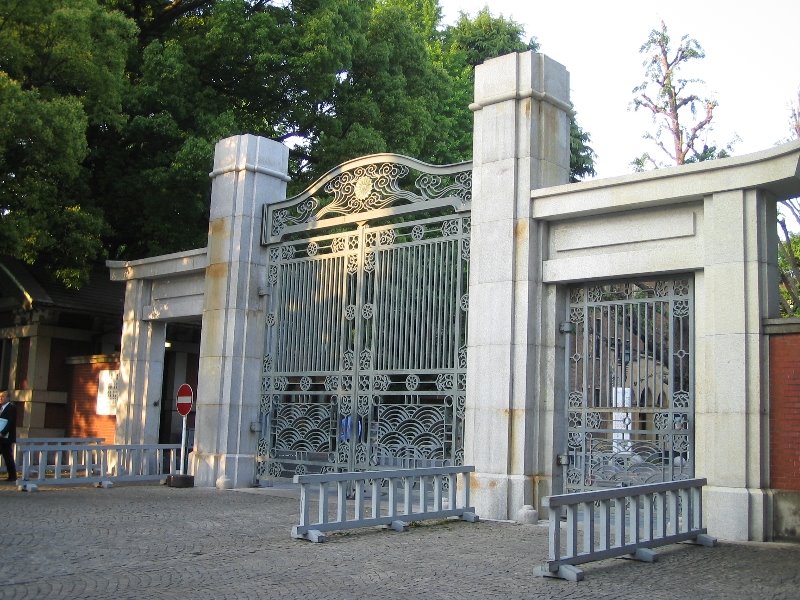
x=184 y=399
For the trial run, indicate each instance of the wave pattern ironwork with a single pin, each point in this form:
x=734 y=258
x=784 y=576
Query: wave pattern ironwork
x=365 y=356
x=630 y=403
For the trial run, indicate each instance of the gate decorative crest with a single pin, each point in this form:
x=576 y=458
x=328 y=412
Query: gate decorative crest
x=365 y=352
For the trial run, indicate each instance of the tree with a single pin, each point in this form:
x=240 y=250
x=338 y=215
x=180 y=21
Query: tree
x=668 y=98
x=388 y=101
x=794 y=118
x=789 y=242
x=410 y=87
x=61 y=76
x=467 y=44
x=470 y=42
x=424 y=16
x=581 y=159
x=337 y=79
x=219 y=69
x=111 y=108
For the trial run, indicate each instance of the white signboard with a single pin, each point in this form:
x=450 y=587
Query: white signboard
x=622 y=420
x=622 y=397
x=107 y=393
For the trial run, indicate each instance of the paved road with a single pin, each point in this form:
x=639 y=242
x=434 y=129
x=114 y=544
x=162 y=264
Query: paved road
x=150 y=541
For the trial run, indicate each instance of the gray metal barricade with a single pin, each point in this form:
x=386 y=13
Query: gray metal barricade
x=434 y=490
x=623 y=521
x=55 y=442
x=96 y=463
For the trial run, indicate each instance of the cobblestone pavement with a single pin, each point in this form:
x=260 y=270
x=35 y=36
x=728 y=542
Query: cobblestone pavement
x=150 y=541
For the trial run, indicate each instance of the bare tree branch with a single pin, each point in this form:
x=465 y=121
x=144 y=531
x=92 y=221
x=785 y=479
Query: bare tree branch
x=793 y=204
x=789 y=278
x=662 y=93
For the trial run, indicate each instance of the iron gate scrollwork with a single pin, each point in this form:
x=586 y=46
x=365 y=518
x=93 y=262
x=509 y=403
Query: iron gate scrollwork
x=630 y=401
x=365 y=356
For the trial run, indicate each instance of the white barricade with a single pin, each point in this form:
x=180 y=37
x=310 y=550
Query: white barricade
x=96 y=463
x=55 y=442
x=623 y=521
x=434 y=489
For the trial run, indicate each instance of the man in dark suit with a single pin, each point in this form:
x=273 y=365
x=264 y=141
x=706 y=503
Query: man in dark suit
x=8 y=434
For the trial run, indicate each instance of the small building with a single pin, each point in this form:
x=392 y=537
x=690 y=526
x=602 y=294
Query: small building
x=60 y=354
x=43 y=327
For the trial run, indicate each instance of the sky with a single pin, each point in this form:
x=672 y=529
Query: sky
x=751 y=67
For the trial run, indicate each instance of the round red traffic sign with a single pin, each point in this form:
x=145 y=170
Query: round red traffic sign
x=184 y=399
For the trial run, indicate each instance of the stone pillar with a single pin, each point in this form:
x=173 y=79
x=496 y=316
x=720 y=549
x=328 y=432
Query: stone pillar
x=141 y=368
x=248 y=172
x=521 y=142
x=14 y=360
x=36 y=381
x=39 y=359
x=735 y=292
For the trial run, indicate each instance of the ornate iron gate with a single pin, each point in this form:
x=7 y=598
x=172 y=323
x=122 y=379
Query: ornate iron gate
x=365 y=358
x=630 y=382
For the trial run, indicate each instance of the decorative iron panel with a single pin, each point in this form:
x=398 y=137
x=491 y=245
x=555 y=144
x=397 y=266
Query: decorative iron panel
x=630 y=402
x=365 y=358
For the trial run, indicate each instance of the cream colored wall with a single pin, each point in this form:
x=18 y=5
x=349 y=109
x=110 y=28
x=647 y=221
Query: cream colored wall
x=717 y=223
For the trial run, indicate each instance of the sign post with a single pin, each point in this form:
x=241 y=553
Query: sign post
x=183 y=401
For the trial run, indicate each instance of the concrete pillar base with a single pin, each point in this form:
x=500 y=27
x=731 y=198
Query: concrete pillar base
x=735 y=514
x=527 y=515
x=180 y=481
x=223 y=471
x=500 y=496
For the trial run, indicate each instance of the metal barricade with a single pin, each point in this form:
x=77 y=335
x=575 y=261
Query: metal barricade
x=54 y=442
x=434 y=490
x=96 y=463
x=623 y=521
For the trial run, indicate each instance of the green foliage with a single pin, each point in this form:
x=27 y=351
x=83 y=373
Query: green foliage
x=424 y=16
x=461 y=47
x=389 y=98
x=472 y=41
x=789 y=241
x=61 y=76
x=111 y=108
x=709 y=153
x=581 y=163
x=788 y=251
x=223 y=68
x=788 y=261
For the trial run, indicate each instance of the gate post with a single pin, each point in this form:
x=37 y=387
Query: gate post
x=521 y=142
x=248 y=171
x=141 y=367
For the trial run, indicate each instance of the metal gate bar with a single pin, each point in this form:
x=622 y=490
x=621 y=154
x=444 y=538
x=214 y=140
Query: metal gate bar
x=365 y=352
x=630 y=402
